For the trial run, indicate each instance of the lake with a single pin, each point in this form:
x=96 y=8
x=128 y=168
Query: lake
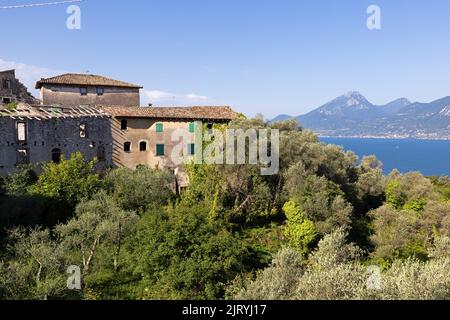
x=431 y=157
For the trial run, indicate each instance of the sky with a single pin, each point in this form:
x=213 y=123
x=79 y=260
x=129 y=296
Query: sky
x=265 y=57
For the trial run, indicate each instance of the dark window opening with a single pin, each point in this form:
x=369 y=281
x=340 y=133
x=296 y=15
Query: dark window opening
x=6 y=83
x=56 y=155
x=6 y=100
x=124 y=124
x=100 y=91
x=143 y=146
x=101 y=153
x=22 y=156
x=83 y=91
x=127 y=147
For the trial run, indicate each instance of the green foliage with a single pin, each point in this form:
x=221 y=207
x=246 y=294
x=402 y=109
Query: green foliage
x=67 y=182
x=180 y=254
x=141 y=189
x=300 y=231
x=11 y=106
x=135 y=239
x=17 y=183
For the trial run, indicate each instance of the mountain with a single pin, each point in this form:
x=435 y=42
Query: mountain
x=353 y=115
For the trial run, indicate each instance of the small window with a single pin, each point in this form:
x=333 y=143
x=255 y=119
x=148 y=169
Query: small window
x=191 y=149
x=159 y=127
x=21 y=132
x=101 y=153
x=56 y=155
x=83 y=130
x=210 y=127
x=160 y=150
x=6 y=100
x=100 y=91
x=124 y=124
x=191 y=127
x=127 y=147
x=22 y=156
x=6 y=83
x=83 y=91
x=143 y=146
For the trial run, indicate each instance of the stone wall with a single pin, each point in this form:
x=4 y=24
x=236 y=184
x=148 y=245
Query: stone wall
x=47 y=135
x=71 y=96
x=17 y=91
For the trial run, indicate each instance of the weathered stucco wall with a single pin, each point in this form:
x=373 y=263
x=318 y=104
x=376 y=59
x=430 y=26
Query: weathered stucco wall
x=71 y=96
x=46 y=135
x=144 y=129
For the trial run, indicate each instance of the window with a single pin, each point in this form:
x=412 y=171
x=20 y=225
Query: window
x=101 y=153
x=159 y=150
x=124 y=124
x=127 y=147
x=22 y=156
x=83 y=91
x=6 y=83
x=191 y=127
x=143 y=146
x=210 y=128
x=100 y=91
x=6 y=100
x=191 y=149
x=56 y=155
x=83 y=130
x=21 y=132
x=159 y=127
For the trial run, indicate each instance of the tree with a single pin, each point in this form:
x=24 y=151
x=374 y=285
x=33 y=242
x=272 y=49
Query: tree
x=182 y=254
x=99 y=221
x=140 y=189
x=300 y=231
x=35 y=268
x=68 y=182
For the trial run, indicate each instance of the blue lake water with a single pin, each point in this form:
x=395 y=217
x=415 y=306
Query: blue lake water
x=431 y=157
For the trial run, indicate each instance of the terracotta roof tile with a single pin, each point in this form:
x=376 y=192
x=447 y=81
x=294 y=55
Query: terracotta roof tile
x=85 y=80
x=197 y=112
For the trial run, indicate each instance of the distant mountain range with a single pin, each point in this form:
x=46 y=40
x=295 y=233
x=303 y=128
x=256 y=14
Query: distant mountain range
x=352 y=115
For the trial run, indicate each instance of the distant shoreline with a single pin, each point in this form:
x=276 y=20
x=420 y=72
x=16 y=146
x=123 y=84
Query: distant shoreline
x=384 y=138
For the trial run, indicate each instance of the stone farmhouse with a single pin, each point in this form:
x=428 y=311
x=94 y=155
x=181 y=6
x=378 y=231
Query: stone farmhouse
x=103 y=122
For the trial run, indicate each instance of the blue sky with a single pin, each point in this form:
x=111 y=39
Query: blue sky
x=259 y=56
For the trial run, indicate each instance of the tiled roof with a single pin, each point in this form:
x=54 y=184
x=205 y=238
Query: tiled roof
x=200 y=113
x=85 y=80
x=26 y=111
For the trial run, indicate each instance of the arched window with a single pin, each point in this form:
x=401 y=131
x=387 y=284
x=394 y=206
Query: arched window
x=143 y=146
x=56 y=155
x=124 y=124
x=127 y=147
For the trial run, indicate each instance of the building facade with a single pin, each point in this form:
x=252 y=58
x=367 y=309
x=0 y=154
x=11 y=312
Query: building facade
x=115 y=132
x=85 y=89
x=33 y=135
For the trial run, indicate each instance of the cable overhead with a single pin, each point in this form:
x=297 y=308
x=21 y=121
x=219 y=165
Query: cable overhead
x=43 y=4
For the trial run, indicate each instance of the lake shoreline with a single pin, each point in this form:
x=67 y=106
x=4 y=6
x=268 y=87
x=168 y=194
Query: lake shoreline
x=383 y=138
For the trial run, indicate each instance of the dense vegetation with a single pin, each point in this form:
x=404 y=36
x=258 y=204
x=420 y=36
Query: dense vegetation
x=309 y=232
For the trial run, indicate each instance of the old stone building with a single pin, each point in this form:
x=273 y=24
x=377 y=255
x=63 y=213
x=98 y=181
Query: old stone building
x=43 y=134
x=115 y=131
x=87 y=89
x=12 y=90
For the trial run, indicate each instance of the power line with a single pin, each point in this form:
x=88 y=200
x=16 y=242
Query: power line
x=31 y=5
